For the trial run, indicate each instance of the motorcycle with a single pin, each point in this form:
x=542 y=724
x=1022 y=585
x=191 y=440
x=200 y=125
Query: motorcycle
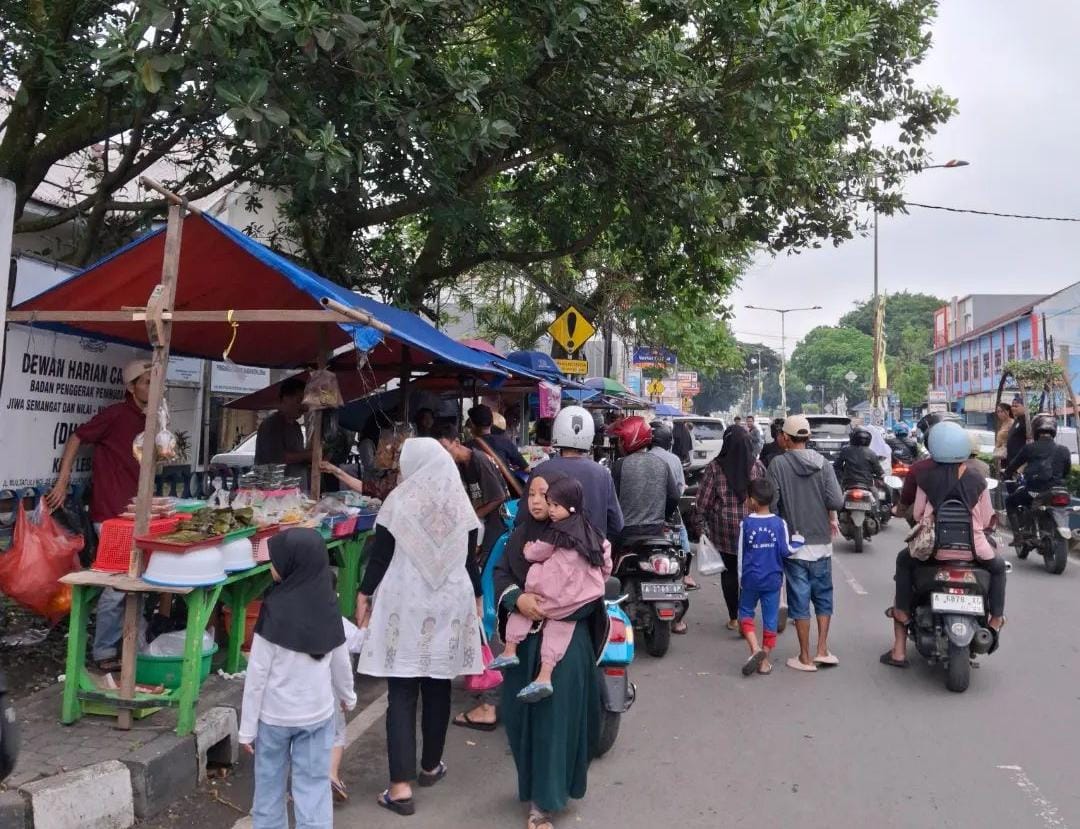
x=949 y=620
x=650 y=570
x=617 y=692
x=860 y=518
x=1044 y=526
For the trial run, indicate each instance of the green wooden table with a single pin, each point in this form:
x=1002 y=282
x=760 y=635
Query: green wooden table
x=348 y=554
x=83 y=696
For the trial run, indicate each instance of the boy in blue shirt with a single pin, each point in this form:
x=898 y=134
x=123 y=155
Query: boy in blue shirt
x=764 y=543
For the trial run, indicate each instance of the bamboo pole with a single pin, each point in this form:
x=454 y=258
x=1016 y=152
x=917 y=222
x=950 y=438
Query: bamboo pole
x=316 y=429
x=356 y=315
x=159 y=331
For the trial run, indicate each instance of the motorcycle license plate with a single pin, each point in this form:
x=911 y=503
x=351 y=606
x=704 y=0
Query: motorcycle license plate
x=862 y=506
x=662 y=591
x=962 y=603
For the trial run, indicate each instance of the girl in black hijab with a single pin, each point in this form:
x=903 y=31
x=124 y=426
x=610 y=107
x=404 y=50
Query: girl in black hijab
x=298 y=672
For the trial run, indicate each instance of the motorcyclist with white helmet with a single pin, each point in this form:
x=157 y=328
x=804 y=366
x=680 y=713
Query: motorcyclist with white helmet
x=572 y=434
x=946 y=476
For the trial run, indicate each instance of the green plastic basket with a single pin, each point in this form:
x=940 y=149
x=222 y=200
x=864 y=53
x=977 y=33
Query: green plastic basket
x=166 y=670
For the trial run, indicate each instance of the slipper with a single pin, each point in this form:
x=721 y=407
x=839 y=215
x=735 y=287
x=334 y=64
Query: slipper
x=538 y=820
x=753 y=663
x=765 y=671
x=404 y=807
x=428 y=779
x=341 y=794
x=535 y=691
x=680 y=631
x=502 y=663
x=887 y=659
x=733 y=624
x=828 y=660
x=689 y=588
x=462 y=721
x=796 y=665
x=107 y=666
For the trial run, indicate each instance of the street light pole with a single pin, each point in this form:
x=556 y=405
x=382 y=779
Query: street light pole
x=783 y=312
x=875 y=383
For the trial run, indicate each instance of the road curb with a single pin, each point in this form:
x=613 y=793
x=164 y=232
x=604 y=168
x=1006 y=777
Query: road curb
x=94 y=797
x=162 y=771
x=14 y=810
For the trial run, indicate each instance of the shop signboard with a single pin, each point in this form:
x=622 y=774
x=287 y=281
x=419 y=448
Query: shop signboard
x=646 y=357
x=52 y=384
x=229 y=378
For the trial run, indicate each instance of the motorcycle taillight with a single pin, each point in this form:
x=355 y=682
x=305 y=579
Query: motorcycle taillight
x=618 y=631
x=856 y=495
x=1060 y=499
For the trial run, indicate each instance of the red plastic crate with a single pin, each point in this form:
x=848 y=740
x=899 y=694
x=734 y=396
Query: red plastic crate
x=116 y=538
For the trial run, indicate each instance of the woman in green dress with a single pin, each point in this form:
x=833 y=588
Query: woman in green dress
x=553 y=740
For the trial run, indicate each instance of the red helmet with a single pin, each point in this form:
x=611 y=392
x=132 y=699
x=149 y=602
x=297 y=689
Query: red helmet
x=634 y=433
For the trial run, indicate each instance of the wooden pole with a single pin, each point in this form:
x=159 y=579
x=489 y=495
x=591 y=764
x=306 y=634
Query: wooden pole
x=316 y=429
x=406 y=374
x=159 y=329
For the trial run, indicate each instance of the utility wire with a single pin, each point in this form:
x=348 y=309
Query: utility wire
x=992 y=213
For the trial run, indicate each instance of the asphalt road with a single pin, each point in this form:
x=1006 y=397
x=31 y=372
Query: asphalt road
x=858 y=745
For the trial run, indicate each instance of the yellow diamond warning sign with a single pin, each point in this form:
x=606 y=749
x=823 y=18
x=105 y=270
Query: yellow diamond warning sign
x=571 y=330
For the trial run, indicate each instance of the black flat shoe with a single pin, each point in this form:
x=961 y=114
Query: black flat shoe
x=887 y=659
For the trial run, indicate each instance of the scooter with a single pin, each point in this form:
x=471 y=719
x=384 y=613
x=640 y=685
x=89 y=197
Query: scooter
x=1044 y=526
x=949 y=617
x=617 y=691
x=650 y=570
x=859 y=517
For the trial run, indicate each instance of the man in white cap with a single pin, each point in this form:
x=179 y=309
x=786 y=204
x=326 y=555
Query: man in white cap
x=114 y=481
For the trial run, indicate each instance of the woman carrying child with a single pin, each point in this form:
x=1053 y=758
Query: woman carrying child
x=553 y=740
x=298 y=674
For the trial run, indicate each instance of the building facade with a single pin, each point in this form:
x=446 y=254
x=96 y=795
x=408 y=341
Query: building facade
x=970 y=350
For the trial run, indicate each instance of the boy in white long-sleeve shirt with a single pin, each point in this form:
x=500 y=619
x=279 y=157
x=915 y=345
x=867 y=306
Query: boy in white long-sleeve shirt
x=298 y=673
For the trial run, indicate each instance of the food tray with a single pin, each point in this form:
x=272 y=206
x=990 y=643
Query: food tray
x=155 y=542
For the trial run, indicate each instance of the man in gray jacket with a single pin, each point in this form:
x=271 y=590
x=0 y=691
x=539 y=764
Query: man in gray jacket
x=807 y=497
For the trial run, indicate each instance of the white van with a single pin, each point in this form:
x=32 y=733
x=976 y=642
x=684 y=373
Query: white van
x=708 y=434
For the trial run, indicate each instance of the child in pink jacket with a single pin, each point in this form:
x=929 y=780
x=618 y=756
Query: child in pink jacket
x=570 y=563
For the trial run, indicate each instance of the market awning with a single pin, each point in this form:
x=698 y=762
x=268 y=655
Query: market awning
x=223 y=270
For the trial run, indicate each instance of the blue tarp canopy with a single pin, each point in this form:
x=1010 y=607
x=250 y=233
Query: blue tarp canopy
x=666 y=410
x=221 y=269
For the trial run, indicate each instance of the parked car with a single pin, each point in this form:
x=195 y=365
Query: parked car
x=829 y=433
x=708 y=434
x=242 y=455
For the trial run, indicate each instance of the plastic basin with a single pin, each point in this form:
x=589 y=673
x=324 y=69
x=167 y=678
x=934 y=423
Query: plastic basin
x=198 y=568
x=166 y=670
x=237 y=554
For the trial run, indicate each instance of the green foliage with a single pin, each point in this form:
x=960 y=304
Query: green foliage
x=827 y=353
x=521 y=321
x=729 y=386
x=909 y=381
x=1035 y=373
x=909 y=323
x=694 y=327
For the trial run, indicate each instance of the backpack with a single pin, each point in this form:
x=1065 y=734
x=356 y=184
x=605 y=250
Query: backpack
x=1039 y=472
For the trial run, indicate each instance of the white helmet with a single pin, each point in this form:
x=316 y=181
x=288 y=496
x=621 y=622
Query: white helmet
x=573 y=429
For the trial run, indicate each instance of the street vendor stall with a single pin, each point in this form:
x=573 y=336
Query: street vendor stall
x=202 y=289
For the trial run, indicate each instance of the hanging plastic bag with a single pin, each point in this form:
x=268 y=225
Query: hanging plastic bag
x=490 y=679
x=322 y=391
x=710 y=562
x=166 y=448
x=173 y=644
x=41 y=552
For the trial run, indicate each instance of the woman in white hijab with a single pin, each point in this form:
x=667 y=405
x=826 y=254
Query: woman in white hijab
x=419 y=601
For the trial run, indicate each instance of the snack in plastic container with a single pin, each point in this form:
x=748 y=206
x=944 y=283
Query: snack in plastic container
x=166 y=448
x=390 y=442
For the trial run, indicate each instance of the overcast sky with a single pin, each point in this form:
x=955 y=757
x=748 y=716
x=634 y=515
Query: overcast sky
x=1018 y=124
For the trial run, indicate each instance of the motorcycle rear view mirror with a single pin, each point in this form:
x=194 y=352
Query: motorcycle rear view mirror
x=893 y=482
x=991 y=484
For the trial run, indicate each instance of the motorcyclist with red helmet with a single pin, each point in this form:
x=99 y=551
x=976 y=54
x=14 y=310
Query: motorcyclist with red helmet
x=647 y=490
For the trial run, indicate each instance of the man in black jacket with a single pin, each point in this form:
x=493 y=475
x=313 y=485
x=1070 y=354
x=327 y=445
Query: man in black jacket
x=856 y=465
x=1018 y=433
x=1046 y=465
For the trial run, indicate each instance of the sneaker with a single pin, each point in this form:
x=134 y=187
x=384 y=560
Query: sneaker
x=501 y=662
x=535 y=691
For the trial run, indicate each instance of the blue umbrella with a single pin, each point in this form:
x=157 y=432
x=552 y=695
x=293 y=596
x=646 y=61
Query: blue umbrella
x=666 y=410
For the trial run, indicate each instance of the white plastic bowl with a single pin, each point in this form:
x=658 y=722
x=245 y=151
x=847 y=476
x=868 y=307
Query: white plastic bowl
x=199 y=568
x=238 y=554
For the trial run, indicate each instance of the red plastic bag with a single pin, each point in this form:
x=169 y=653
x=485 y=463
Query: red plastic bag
x=41 y=552
x=489 y=680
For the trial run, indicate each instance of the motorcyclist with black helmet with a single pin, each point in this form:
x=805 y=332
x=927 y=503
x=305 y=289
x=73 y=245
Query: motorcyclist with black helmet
x=1046 y=465
x=857 y=465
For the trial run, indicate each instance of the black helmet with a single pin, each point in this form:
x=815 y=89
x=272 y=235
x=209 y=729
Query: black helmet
x=1044 y=424
x=934 y=418
x=662 y=435
x=861 y=436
